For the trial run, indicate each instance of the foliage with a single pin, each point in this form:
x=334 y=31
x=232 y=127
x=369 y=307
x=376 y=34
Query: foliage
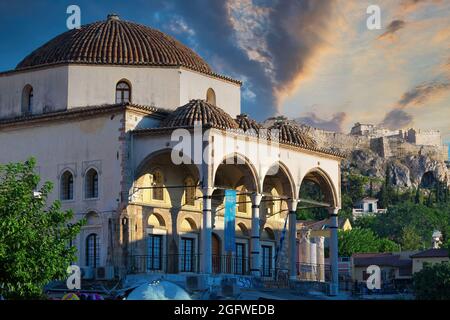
x=433 y=282
x=310 y=190
x=410 y=239
x=360 y=240
x=409 y=224
x=34 y=237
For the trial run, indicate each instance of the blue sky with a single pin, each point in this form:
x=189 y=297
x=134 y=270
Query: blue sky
x=314 y=60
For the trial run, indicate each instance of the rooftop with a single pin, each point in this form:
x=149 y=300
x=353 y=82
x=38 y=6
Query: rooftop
x=432 y=253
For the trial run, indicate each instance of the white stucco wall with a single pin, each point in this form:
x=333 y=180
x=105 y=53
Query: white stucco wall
x=194 y=85
x=73 y=145
x=77 y=146
x=96 y=85
x=50 y=88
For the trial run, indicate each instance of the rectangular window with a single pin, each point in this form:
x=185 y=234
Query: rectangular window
x=92 y=250
x=266 y=261
x=154 y=259
x=187 y=255
x=240 y=259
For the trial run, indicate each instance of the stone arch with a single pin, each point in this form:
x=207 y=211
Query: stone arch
x=268 y=234
x=92 y=218
x=325 y=183
x=242 y=230
x=240 y=162
x=156 y=220
x=143 y=165
x=172 y=175
x=188 y=224
x=277 y=168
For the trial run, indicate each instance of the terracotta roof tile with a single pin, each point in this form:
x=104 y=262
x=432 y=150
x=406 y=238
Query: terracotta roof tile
x=245 y=123
x=115 y=42
x=202 y=112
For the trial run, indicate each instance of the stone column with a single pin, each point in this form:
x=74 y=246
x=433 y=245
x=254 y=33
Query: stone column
x=292 y=204
x=255 y=243
x=313 y=260
x=320 y=241
x=305 y=254
x=334 y=289
x=206 y=252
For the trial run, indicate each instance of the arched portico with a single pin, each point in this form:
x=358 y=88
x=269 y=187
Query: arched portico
x=234 y=172
x=277 y=192
x=324 y=195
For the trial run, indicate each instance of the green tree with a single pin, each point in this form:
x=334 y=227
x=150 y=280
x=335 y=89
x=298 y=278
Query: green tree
x=410 y=239
x=357 y=186
x=417 y=197
x=420 y=218
x=34 y=236
x=360 y=240
x=433 y=282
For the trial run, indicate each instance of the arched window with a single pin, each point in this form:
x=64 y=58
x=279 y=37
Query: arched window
x=189 y=191
x=158 y=184
x=123 y=92
x=91 y=184
x=211 y=96
x=67 y=186
x=242 y=200
x=92 y=250
x=27 y=99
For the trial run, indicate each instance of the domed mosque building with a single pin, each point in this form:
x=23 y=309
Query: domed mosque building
x=143 y=139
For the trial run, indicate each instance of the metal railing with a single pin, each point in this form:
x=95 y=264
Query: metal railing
x=221 y=264
x=172 y=263
x=230 y=264
x=313 y=272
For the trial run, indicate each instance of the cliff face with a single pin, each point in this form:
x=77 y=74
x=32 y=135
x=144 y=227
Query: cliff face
x=404 y=172
x=409 y=165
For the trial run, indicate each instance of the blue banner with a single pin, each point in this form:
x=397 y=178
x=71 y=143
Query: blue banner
x=230 y=220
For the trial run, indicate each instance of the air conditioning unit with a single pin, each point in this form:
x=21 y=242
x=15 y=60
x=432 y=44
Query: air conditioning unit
x=104 y=273
x=87 y=273
x=196 y=282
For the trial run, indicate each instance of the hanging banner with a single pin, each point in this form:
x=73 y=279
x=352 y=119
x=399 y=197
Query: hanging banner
x=283 y=235
x=230 y=220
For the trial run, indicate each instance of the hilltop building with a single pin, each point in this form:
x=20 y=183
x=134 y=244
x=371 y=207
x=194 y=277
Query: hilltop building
x=366 y=206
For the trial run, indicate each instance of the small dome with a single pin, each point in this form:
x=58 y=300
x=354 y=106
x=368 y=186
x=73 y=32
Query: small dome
x=115 y=42
x=199 y=111
x=245 y=123
x=292 y=134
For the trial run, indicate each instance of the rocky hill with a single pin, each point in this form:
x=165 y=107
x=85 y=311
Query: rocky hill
x=409 y=165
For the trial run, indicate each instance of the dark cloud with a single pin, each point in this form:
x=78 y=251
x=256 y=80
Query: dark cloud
x=297 y=33
x=423 y=93
x=393 y=27
x=268 y=44
x=334 y=124
x=397 y=119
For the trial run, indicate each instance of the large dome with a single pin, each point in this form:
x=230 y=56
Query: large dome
x=115 y=42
